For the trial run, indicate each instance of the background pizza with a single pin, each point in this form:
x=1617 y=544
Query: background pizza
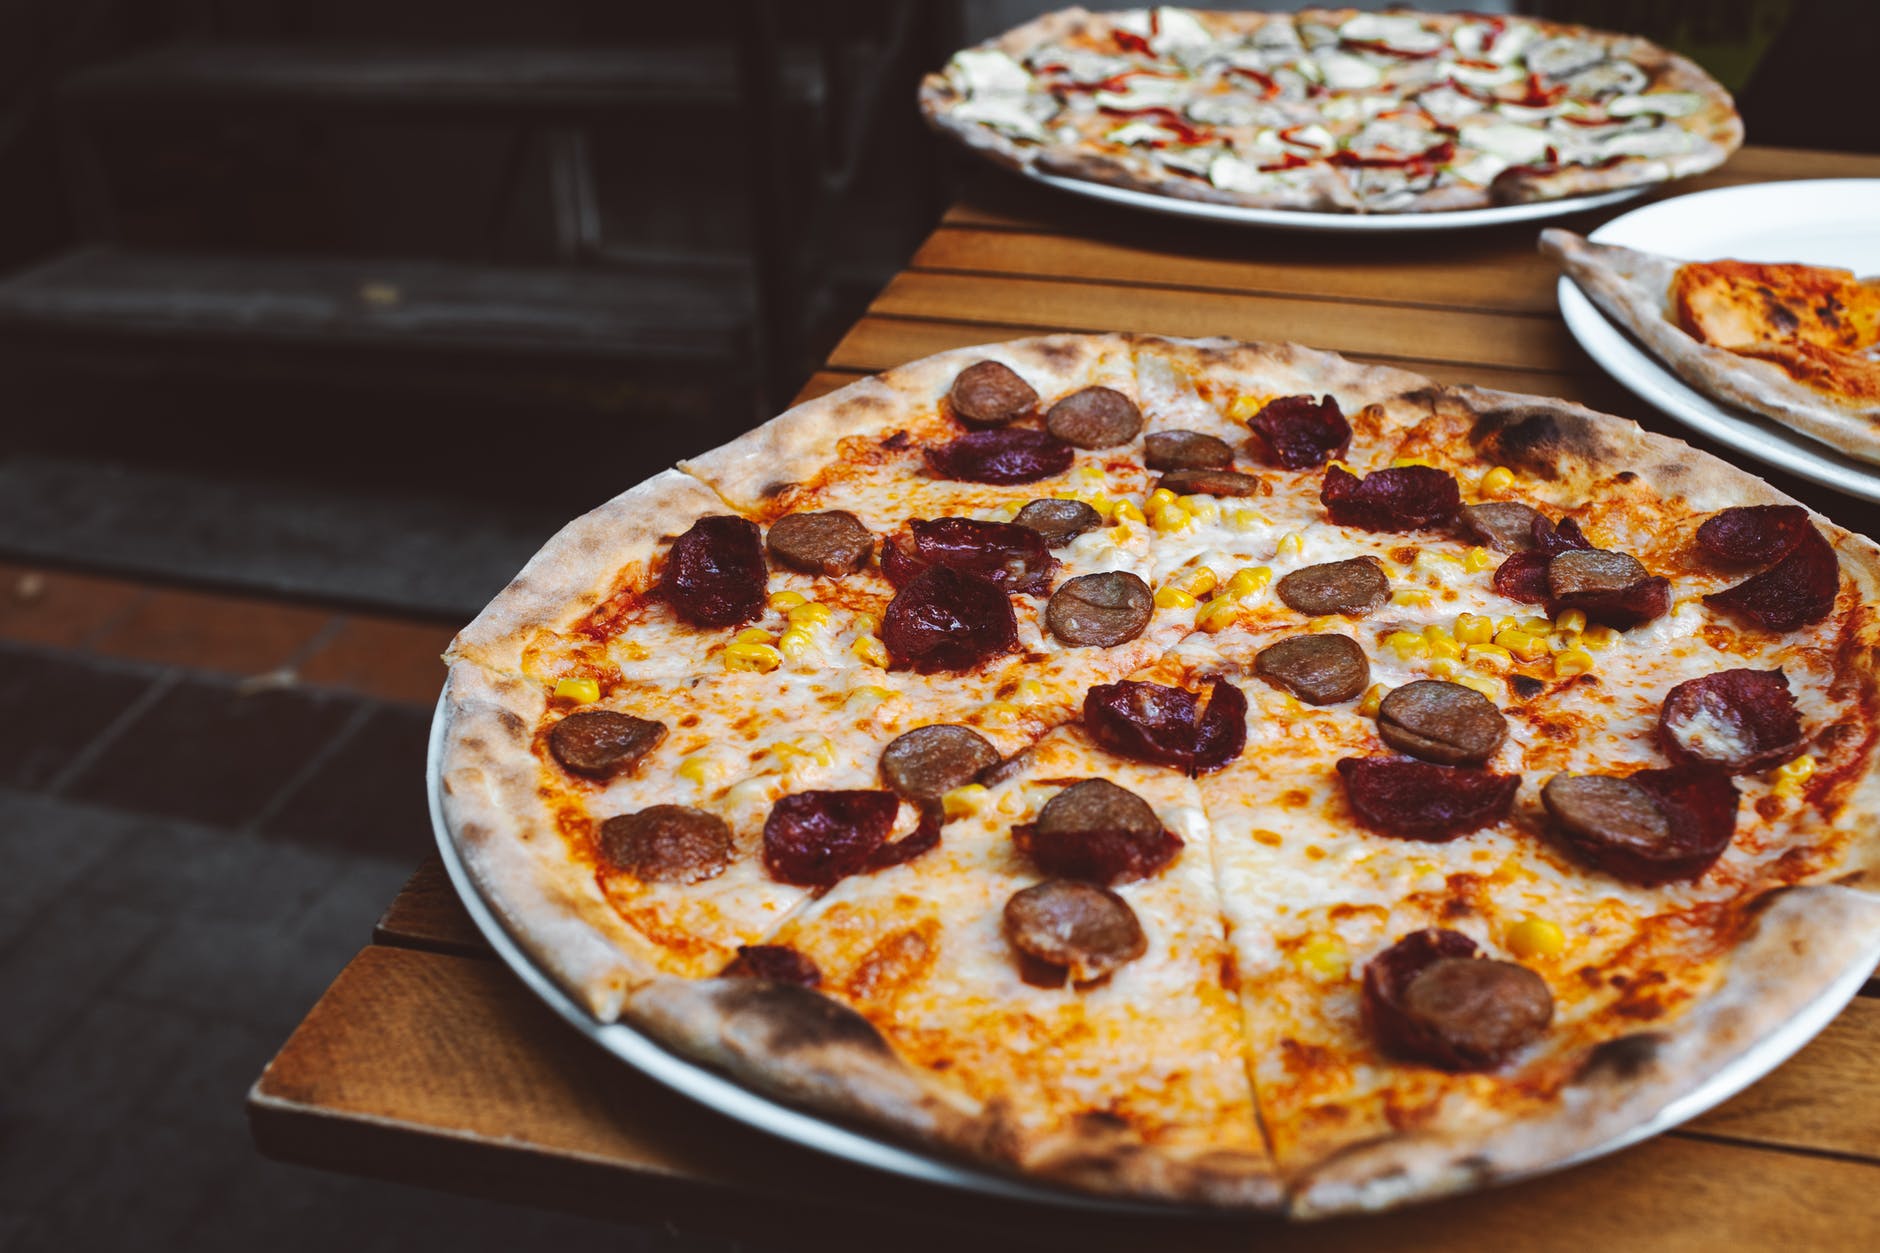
x=1193 y=770
x=1334 y=110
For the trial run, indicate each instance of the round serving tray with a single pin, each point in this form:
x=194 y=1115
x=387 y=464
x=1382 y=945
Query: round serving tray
x=798 y=1128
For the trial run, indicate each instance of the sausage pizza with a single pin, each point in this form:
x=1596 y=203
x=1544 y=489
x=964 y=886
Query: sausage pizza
x=1334 y=110
x=1199 y=771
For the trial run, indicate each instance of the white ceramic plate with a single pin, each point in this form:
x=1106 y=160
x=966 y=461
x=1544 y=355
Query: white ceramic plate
x=1336 y=223
x=714 y=1091
x=1817 y=222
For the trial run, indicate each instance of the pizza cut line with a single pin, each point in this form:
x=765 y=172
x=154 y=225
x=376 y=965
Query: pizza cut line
x=1334 y=110
x=1198 y=771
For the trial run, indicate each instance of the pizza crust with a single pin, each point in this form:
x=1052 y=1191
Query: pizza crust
x=1633 y=288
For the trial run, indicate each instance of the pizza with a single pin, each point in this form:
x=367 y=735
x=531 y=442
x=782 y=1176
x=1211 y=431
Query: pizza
x=1334 y=110
x=1796 y=343
x=1196 y=771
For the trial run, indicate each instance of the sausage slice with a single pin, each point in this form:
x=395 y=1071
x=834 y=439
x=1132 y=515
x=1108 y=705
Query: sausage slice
x=990 y=393
x=1186 y=450
x=1100 y=610
x=1059 y=521
x=1211 y=483
x=1592 y=571
x=1506 y=526
x=1318 y=669
x=1442 y=722
x=600 y=743
x=1355 y=587
x=1481 y=1010
x=1078 y=927
x=832 y=544
x=667 y=844
x=928 y=762
x=1096 y=417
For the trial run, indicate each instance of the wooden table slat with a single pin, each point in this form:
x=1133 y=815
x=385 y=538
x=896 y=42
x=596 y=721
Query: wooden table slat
x=427 y=913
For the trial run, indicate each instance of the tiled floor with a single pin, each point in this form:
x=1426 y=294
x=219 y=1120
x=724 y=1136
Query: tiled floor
x=205 y=802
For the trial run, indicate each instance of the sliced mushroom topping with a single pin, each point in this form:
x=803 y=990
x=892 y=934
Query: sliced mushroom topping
x=1441 y=722
x=1100 y=610
x=928 y=762
x=1059 y=521
x=990 y=393
x=1506 y=526
x=1318 y=669
x=667 y=844
x=1355 y=587
x=1186 y=450
x=600 y=743
x=1086 y=930
x=1096 y=417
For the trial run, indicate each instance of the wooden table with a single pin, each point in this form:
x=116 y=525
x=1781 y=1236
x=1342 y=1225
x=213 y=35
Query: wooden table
x=426 y=1061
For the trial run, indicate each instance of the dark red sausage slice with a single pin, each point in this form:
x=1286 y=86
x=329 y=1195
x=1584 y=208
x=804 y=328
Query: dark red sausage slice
x=990 y=393
x=1401 y=498
x=1058 y=521
x=814 y=839
x=1420 y=800
x=832 y=544
x=1096 y=417
x=1652 y=826
x=1795 y=592
x=928 y=762
x=1355 y=587
x=1742 y=720
x=1079 y=928
x=945 y=620
x=1169 y=726
x=1004 y=455
x=1186 y=450
x=667 y=844
x=1011 y=557
x=1430 y=998
x=599 y=743
x=1608 y=587
x=1318 y=669
x=778 y=963
x=1441 y=722
x=1749 y=534
x=1523 y=576
x=1298 y=432
x=1506 y=526
x=1100 y=610
x=715 y=574
x=1097 y=831
x=1211 y=483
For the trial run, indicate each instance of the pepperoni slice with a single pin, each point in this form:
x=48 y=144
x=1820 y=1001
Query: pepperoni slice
x=1649 y=827
x=1401 y=498
x=1075 y=927
x=1750 y=534
x=1795 y=592
x=1523 y=576
x=1185 y=450
x=1097 y=832
x=1608 y=587
x=1011 y=557
x=1741 y=720
x=779 y=963
x=1095 y=417
x=667 y=844
x=1298 y=432
x=1003 y=455
x=1169 y=726
x=1420 y=800
x=600 y=743
x=990 y=393
x=1431 y=998
x=945 y=620
x=1058 y=521
x=1100 y=610
x=832 y=543
x=715 y=574
x=814 y=839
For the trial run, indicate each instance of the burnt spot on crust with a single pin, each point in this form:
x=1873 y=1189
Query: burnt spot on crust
x=1623 y=1057
x=1535 y=440
x=798 y=1019
x=775 y=488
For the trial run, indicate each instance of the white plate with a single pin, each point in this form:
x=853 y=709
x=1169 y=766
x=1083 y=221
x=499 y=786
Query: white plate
x=1817 y=222
x=714 y=1091
x=1336 y=223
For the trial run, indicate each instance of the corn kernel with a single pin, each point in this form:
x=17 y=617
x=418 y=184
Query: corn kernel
x=796 y=643
x=999 y=713
x=1445 y=648
x=1491 y=688
x=752 y=635
x=1400 y=462
x=750 y=794
x=1488 y=656
x=1437 y=631
x=1791 y=775
x=1247 y=580
x=1498 y=479
x=785 y=601
x=1197 y=582
x=1408 y=645
x=1159 y=497
x=1522 y=644
x=814 y=748
x=1291 y=544
x=761 y=658
x=1324 y=623
x=1597 y=637
x=1205 y=508
x=1126 y=511
x=1412 y=596
x=1244 y=519
x=577 y=691
x=700 y=768
x=1537 y=625
x=1536 y=937
x=808 y=614
x=1172 y=597
x=1570 y=662
x=864 y=699
x=1028 y=690
x=1373 y=697
x=1245 y=406
x=1445 y=668
x=1219 y=614
x=1472 y=629
x=1573 y=621
x=870 y=651
x=1325 y=956
x=1507 y=622
x=963 y=801
x=1478 y=559
x=867 y=624
x=1170 y=517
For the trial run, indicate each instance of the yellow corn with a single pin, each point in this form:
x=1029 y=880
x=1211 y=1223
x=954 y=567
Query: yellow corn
x=1028 y=690
x=577 y=691
x=815 y=748
x=1373 y=697
x=999 y=712
x=870 y=651
x=1245 y=406
x=808 y=614
x=1478 y=559
x=1791 y=775
x=1244 y=519
x=1573 y=621
x=1324 y=623
x=1491 y=688
x=1523 y=644
x=1126 y=511
x=1445 y=668
x=1205 y=508
x=1408 y=645
x=1488 y=657
x=761 y=658
x=1570 y=662
x=1472 y=629
x=1597 y=637
x=1291 y=544
x=795 y=643
x=1536 y=625
x=1409 y=461
x=700 y=768
x=783 y=602
x=863 y=699
x=1172 y=597
x=1413 y=596
x=1498 y=479
x=1219 y=614
x=1092 y=475
x=751 y=635
x=963 y=801
x=1247 y=580
x=1159 y=497
x=1196 y=582
x=1536 y=937
x=867 y=624
x=1171 y=518
x=1325 y=956
x=1444 y=648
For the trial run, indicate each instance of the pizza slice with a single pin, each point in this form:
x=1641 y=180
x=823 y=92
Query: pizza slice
x=1796 y=343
